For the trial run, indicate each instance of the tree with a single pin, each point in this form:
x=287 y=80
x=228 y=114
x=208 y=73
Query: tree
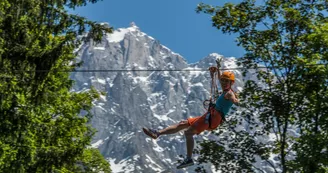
x=43 y=126
x=286 y=112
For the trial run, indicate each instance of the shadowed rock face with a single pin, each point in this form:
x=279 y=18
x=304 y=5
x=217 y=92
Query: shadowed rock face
x=135 y=99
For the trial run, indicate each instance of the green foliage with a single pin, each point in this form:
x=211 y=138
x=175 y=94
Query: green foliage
x=290 y=39
x=43 y=126
x=91 y=161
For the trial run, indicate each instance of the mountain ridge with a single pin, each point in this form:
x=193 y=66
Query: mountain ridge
x=136 y=99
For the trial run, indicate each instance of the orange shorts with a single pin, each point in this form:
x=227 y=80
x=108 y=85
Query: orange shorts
x=199 y=122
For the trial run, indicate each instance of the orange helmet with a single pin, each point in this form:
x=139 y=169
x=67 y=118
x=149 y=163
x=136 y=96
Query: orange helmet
x=228 y=75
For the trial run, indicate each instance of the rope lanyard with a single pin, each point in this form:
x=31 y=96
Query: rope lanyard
x=214 y=89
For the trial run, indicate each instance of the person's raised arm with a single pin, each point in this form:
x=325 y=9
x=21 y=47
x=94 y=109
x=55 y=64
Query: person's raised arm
x=218 y=65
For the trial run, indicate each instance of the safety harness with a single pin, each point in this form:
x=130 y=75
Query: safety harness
x=210 y=103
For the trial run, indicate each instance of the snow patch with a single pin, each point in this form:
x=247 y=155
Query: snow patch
x=121 y=166
x=141 y=79
x=99 y=48
x=157 y=147
x=151 y=61
x=118 y=35
x=103 y=98
x=150 y=37
x=164 y=117
x=198 y=84
x=153 y=164
x=98 y=143
x=125 y=137
x=101 y=81
x=194 y=71
x=113 y=111
x=100 y=107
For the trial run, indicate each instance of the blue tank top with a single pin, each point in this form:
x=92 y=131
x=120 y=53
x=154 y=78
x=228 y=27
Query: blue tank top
x=223 y=105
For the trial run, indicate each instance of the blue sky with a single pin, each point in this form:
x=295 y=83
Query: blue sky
x=173 y=22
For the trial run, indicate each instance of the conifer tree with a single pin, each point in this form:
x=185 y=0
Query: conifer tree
x=43 y=126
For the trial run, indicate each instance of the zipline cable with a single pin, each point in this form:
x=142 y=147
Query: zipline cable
x=144 y=70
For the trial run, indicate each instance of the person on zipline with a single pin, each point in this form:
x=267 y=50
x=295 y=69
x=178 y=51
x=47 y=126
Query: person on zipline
x=209 y=121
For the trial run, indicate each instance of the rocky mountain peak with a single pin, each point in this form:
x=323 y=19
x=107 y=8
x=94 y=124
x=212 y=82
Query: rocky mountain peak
x=150 y=98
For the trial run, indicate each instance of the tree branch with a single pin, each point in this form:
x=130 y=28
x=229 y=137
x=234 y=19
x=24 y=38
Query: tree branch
x=275 y=170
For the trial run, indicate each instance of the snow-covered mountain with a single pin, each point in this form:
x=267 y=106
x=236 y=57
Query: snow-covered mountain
x=135 y=99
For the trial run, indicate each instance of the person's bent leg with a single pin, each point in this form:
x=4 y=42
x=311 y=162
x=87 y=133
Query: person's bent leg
x=189 y=134
x=174 y=128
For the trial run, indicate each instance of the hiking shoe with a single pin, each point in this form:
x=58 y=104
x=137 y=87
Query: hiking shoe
x=186 y=162
x=151 y=133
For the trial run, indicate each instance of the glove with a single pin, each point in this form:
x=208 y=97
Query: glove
x=218 y=62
